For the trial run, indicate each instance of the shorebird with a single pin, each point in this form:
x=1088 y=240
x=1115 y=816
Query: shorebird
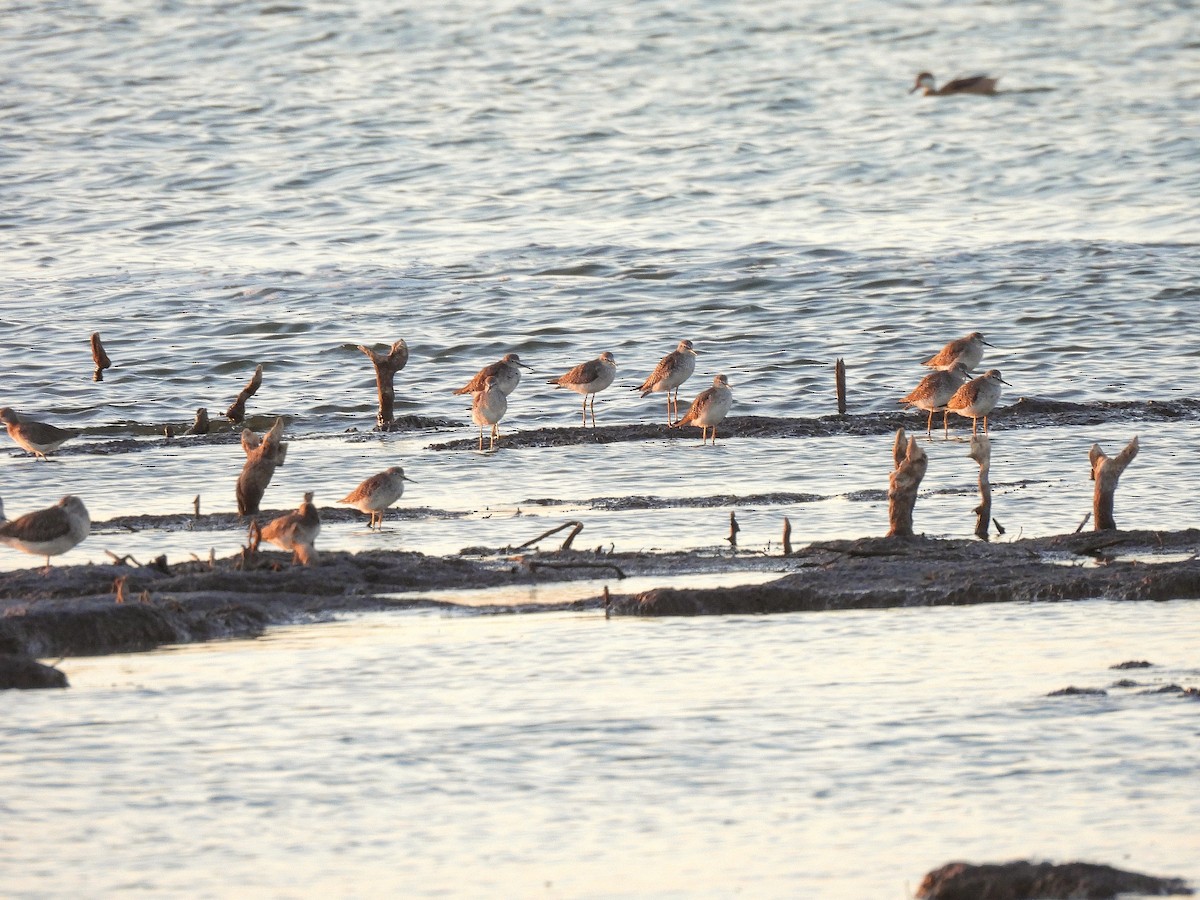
x=36 y=437
x=672 y=370
x=978 y=397
x=488 y=407
x=934 y=392
x=709 y=409
x=377 y=493
x=966 y=350
x=47 y=532
x=507 y=372
x=974 y=84
x=588 y=378
x=297 y=531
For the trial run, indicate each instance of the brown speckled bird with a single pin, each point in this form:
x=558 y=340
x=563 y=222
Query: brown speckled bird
x=47 y=532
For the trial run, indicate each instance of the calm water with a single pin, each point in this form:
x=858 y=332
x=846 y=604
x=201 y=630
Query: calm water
x=828 y=756
x=213 y=186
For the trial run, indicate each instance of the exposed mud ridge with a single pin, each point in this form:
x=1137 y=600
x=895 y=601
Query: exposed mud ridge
x=875 y=573
x=1042 y=881
x=1025 y=413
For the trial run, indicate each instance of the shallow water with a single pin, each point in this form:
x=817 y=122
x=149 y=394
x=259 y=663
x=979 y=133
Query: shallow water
x=816 y=755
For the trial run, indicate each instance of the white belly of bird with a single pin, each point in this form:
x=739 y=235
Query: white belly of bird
x=43 y=548
x=490 y=408
x=717 y=408
x=983 y=401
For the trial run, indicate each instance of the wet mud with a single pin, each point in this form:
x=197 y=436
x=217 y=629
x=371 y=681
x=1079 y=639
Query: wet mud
x=1023 y=880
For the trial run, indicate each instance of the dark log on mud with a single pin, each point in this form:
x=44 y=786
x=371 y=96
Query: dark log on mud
x=1022 y=880
x=263 y=456
x=911 y=463
x=99 y=357
x=1106 y=472
x=26 y=673
x=237 y=411
x=981 y=452
x=386 y=366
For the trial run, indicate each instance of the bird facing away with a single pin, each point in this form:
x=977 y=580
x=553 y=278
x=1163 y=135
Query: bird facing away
x=709 y=409
x=588 y=378
x=36 y=437
x=47 y=532
x=978 y=397
x=672 y=370
x=975 y=84
x=934 y=392
x=377 y=493
x=966 y=350
x=297 y=531
x=488 y=407
x=506 y=371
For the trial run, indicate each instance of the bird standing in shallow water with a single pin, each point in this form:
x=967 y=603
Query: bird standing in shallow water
x=672 y=370
x=36 y=437
x=978 y=397
x=974 y=84
x=589 y=378
x=967 y=351
x=488 y=407
x=47 y=532
x=934 y=392
x=377 y=493
x=507 y=372
x=297 y=531
x=709 y=409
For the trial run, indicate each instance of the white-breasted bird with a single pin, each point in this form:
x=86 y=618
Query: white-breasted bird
x=377 y=493
x=47 y=532
x=672 y=370
x=709 y=409
x=589 y=378
x=977 y=398
x=297 y=531
x=966 y=350
x=934 y=392
x=488 y=407
x=507 y=372
x=36 y=437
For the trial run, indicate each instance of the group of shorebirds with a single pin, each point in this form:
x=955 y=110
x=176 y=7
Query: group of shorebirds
x=48 y=532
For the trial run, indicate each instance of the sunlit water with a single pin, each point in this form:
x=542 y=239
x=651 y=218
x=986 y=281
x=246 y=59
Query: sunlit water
x=835 y=755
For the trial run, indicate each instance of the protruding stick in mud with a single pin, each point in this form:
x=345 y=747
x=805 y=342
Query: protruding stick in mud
x=237 y=412
x=263 y=455
x=1106 y=472
x=905 y=480
x=201 y=425
x=839 y=376
x=734 y=528
x=99 y=357
x=981 y=452
x=787 y=536
x=386 y=367
x=575 y=527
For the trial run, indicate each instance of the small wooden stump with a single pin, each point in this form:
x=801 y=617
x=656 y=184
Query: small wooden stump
x=839 y=377
x=981 y=452
x=237 y=412
x=734 y=528
x=905 y=480
x=99 y=357
x=201 y=425
x=787 y=536
x=386 y=367
x=1106 y=472
x=263 y=455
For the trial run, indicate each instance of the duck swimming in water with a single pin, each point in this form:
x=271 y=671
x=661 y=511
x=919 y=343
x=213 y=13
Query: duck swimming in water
x=975 y=84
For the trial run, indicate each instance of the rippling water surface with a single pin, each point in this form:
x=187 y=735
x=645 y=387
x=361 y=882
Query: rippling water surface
x=214 y=186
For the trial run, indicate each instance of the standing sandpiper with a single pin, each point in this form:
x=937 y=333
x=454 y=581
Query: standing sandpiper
x=978 y=397
x=589 y=378
x=507 y=372
x=935 y=391
x=297 y=531
x=672 y=370
x=36 y=437
x=709 y=409
x=488 y=407
x=966 y=350
x=377 y=493
x=47 y=532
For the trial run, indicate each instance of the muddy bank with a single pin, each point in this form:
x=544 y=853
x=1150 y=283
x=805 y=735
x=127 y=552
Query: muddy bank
x=24 y=673
x=1042 y=881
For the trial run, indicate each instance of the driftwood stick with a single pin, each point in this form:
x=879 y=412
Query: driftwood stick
x=237 y=412
x=1106 y=472
x=839 y=377
x=575 y=527
x=263 y=455
x=201 y=425
x=911 y=463
x=535 y=565
x=99 y=357
x=386 y=367
x=119 y=588
x=734 y=528
x=196 y=505
x=981 y=452
x=787 y=536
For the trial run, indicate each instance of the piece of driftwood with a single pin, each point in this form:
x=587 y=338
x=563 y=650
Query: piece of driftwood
x=911 y=463
x=1106 y=472
x=263 y=455
x=196 y=505
x=981 y=452
x=575 y=527
x=1021 y=880
x=734 y=528
x=99 y=357
x=787 y=536
x=534 y=565
x=237 y=411
x=201 y=425
x=386 y=366
x=839 y=377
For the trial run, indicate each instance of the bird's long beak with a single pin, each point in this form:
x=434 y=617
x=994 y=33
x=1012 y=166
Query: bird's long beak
x=414 y=481
x=1002 y=381
x=985 y=343
x=530 y=368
